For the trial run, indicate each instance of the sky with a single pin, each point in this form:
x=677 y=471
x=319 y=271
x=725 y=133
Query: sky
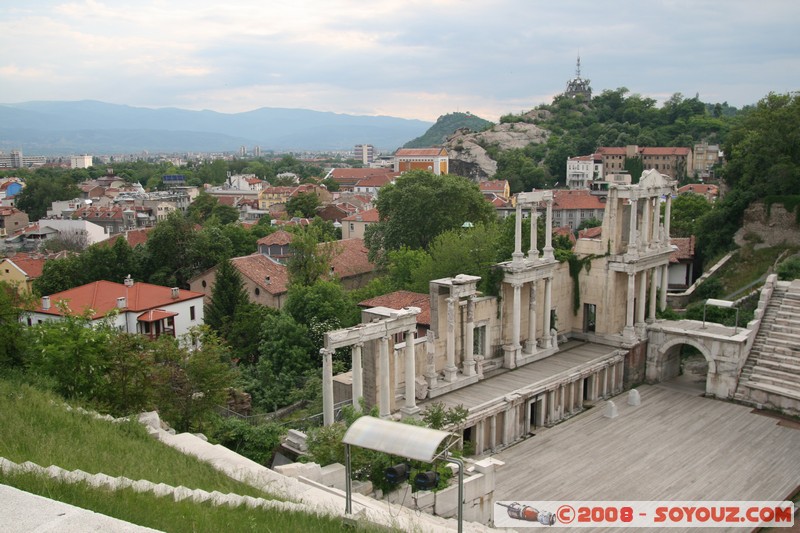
x=404 y=58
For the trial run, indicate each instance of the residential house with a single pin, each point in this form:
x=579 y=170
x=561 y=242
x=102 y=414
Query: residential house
x=347 y=178
x=117 y=219
x=11 y=220
x=133 y=307
x=435 y=160
x=353 y=227
x=710 y=192
x=705 y=157
x=22 y=268
x=333 y=212
x=266 y=279
x=680 y=274
x=570 y=208
x=497 y=187
x=400 y=300
x=371 y=185
x=276 y=246
x=9 y=189
x=583 y=170
x=245 y=182
x=674 y=162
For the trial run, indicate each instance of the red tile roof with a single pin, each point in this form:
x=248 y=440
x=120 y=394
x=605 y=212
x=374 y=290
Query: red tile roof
x=376 y=181
x=590 y=233
x=644 y=150
x=31 y=266
x=280 y=238
x=498 y=186
x=685 y=251
x=135 y=237
x=566 y=231
x=699 y=188
x=576 y=199
x=154 y=315
x=101 y=298
x=370 y=215
x=401 y=299
x=420 y=152
x=354 y=175
x=350 y=258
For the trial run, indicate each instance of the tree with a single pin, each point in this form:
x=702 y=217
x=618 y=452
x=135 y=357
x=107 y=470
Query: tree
x=168 y=247
x=789 y=270
x=41 y=190
x=687 y=210
x=303 y=205
x=310 y=260
x=420 y=205
x=227 y=296
x=590 y=223
x=11 y=329
x=201 y=208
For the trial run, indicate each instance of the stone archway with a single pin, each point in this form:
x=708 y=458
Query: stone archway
x=663 y=361
x=685 y=366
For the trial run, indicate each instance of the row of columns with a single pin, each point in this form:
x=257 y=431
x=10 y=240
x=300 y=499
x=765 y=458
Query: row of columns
x=652 y=234
x=533 y=251
x=566 y=399
x=384 y=397
x=636 y=303
x=516 y=318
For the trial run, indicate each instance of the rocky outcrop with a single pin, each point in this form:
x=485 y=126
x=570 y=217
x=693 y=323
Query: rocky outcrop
x=468 y=158
x=770 y=229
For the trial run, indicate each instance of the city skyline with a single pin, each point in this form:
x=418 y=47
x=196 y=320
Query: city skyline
x=410 y=60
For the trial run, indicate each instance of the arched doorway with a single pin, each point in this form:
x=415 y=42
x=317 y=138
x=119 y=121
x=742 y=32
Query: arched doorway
x=685 y=365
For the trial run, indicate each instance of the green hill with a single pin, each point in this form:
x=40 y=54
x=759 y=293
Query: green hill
x=445 y=126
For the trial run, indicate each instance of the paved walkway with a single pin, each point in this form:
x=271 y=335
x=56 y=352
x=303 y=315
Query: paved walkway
x=676 y=445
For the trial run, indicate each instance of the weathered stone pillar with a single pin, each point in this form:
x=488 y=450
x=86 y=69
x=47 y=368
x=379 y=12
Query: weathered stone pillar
x=644 y=241
x=410 y=407
x=653 y=294
x=468 y=366
x=384 y=405
x=664 y=284
x=507 y=425
x=544 y=420
x=430 y=351
x=548 y=298
x=580 y=393
x=548 y=232
x=517 y=255
x=450 y=369
x=517 y=315
x=533 y=253
x=493 y=432
x=629 y=330
x=358 y=376
x=641 y=301
x=667 y=216
x=327 y=386
x=656 y=240
x=632 y=233
x=530 y=344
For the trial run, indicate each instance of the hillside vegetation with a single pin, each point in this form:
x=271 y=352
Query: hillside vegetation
x=445 y=126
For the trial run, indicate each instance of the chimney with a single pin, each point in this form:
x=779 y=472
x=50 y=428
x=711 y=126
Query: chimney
x=267 y=281
x=175 y=293
x=45 y=302
x=129 y=281
x=122 y=302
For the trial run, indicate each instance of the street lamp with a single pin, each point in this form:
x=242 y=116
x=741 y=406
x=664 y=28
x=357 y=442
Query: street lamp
x=725 y=304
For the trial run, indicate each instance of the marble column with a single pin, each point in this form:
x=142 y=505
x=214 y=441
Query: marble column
x=664 y=284
x=468 y=366
x=384 y=405
x=517 y=255
x=632 y=233
x=517 y=315
x=629 y=331
x=533 y=253
x=667 y=216
x=641 y=301
x=493 y=432
x=548 y=302
x=410 y=407
x=530 y=344
x=450 y=369
x=327 y=386
x=430 y=352
x=653 y=294
x=548 y=232
x=644 y=235
x=358 y=376
x=656 y=240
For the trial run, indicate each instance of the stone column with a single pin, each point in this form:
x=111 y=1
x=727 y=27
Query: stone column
x=653 y=293
x=507 y=425
x=384 y=406
x=327 y=386
x=629 y=331
x=533 y=253
x=468 y=366
x=667 y=216
x=517 y=255
x=641 y=301
x=664 y=285
x=430 y=351
x=548 y=232
x=493 y=432
x=358 y=376
x=517 y=316
x=450 y=369
x=580 y=393
x=548 y=298
x=657 y=221
x=544 y=420
x=632 y=233
x=410 y=407
x=644 y=240
x=530 y=344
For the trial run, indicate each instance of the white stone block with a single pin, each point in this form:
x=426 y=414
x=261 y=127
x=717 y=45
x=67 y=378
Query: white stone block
x=447 y=502
x=611 y=410
x=182 y=493
x=424 y=498
x=475 y=487
x=334 y=475
x=142 y=485
x=150 y=419
x=162 y=489
x=634 y=398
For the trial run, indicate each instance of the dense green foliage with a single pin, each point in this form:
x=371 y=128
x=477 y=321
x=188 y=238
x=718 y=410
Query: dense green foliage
x=227 y=296
x=445 y=126
x=789 y=270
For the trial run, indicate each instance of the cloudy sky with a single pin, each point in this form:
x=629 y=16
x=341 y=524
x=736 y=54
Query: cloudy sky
x=404 y=58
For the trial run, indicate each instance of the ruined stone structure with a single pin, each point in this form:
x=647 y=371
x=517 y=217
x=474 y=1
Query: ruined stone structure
x=558 y=337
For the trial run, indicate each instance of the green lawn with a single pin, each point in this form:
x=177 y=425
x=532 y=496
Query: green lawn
x=748 y=265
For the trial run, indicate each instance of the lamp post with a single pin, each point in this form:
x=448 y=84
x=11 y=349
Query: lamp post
x=725 y=304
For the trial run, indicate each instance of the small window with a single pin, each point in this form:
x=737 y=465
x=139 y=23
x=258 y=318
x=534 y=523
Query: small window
x=257 y=291
x=203 y=283
x=479 y=340
x=191 y=313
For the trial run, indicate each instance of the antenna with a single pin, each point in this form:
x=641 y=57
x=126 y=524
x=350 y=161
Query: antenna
x=578 y=68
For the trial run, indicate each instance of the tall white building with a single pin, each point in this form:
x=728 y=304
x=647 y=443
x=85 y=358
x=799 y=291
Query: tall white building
x=582 y=170
x=80 y=161
x=365 y=153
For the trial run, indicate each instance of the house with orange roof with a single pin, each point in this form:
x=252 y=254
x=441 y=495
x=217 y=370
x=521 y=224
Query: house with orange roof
x=497 y=187
x=347 y=178
x=571 y=207
x=709 y=191
x=276 y=245
x=266 y=280
x=11 y=220
x=134 y=237
x=435 y=160
x=681 y=263
x=133 y=307
x=353 y=227
x=371 y=185
x=22 y=268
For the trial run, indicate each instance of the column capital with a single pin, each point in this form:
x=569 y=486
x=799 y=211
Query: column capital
x=517 y=284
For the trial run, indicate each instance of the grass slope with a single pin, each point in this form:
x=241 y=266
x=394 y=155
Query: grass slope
x=35 y=426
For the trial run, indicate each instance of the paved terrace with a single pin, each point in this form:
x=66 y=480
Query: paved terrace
x=572 y=354
x=676 y=445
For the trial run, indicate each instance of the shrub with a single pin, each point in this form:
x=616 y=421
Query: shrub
x=789 y=269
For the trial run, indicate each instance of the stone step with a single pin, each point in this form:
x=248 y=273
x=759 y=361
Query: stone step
x=789 y=385
x=783 y=327
x=786 y=335
x=775 y=373
x=772 y=357
x=782 y=343
x=775 y=389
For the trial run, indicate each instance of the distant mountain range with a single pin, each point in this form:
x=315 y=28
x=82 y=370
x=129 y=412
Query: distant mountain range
x=63 y=128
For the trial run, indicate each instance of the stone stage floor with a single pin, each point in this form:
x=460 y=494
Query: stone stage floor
x=676 y=445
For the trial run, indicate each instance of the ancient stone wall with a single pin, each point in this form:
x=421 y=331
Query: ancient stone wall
x=776 y=228
x=635 y=365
